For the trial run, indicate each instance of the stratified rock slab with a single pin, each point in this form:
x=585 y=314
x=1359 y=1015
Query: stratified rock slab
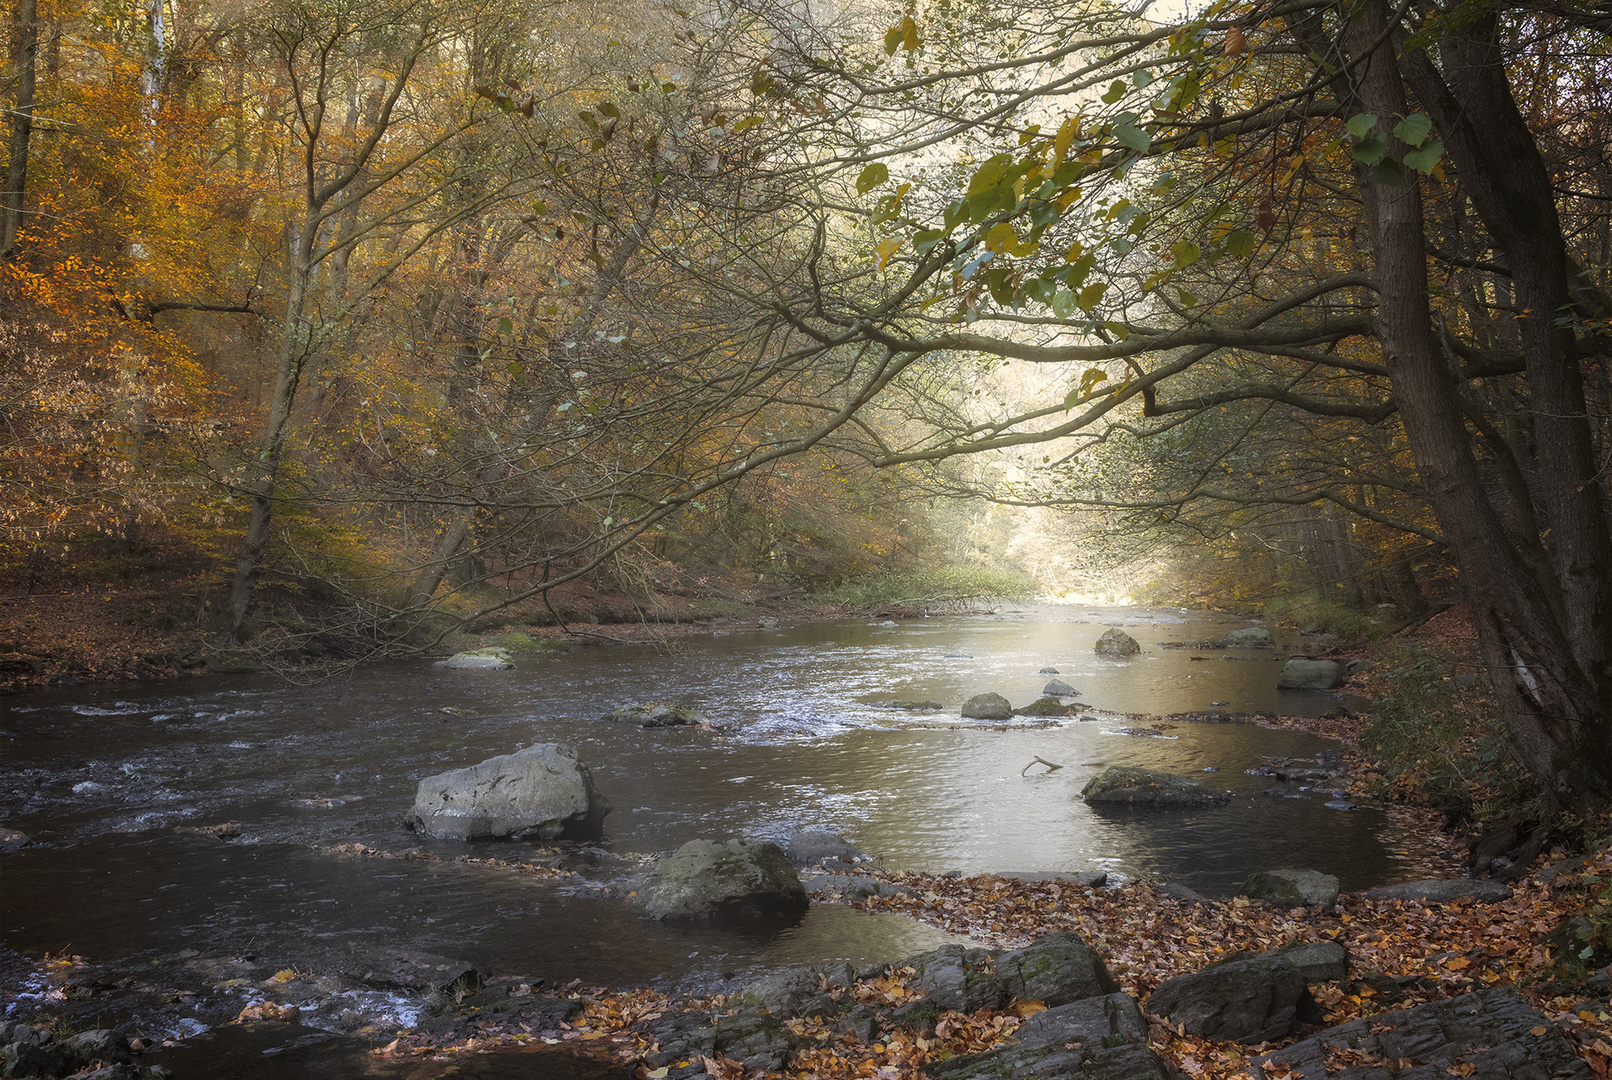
x=1101 y=1037
x=1491 y=1031
x=1443 y=890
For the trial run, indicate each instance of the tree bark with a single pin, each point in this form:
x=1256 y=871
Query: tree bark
x=1542 y=628
x=24 y=61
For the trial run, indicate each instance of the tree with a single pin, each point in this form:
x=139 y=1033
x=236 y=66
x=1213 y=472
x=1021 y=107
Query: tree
x=1217 y=143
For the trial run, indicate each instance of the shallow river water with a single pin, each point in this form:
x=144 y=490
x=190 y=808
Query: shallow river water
x=105 y=778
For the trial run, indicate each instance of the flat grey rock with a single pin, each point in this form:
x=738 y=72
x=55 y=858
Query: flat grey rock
x=490 y=659
x=1443 y=890
x=1488 y=1035
x=1289 y=887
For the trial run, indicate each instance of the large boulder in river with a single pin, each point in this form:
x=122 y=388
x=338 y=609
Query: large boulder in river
x=1116 y=642
x=1249 y=637
x=1293 y=888
x=987 y=707
x=1250 y=1000
x=1301 y=674
x=1059 y=688
x=707 y=879
x=1148 y=787
x=542 y=791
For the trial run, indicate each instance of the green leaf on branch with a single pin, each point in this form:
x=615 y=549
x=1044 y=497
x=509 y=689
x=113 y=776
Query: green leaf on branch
x=1114 y=92
x=1132 y=136
x=1185 y=253
x=1241 y=243
x=871 y=177
x=1414 y=129
x=1425 y=157
x=1361 y=125
x=1370 y=150
x=1091 y=296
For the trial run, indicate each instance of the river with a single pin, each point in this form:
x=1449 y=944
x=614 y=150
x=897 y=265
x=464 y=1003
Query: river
x=106 y=779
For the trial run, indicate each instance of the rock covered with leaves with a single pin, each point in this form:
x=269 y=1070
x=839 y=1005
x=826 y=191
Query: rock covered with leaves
x=26 y=1050
x=542 y=791
x=1133 y=786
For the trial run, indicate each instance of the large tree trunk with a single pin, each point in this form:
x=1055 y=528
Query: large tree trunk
x=1542 y=621
x=23 y=63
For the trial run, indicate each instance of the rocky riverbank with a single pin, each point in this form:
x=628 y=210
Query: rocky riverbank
x=1465 y=982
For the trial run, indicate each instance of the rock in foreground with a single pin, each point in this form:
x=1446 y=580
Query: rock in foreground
x=543 y=791
x=1252 y=1000
x=706 y=879
x=1489 y=1035
x=1129 y=785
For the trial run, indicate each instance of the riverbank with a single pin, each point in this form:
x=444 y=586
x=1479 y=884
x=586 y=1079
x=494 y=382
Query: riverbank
x=62 y=629
x=1400 y=954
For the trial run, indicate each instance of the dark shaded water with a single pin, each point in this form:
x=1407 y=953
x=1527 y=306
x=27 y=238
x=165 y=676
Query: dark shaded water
x=101 y=777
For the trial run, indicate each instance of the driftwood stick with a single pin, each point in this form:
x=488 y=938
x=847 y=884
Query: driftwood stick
x=1040 y=761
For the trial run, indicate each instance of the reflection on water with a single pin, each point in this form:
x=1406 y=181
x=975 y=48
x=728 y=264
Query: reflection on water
x=101 y=776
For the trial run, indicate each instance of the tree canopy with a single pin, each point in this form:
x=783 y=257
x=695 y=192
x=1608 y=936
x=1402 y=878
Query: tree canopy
x=524 y=289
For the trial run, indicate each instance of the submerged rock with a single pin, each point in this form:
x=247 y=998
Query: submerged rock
x=1048 y=706
x=811 y=846
x=651 y=714
x=542 y=791
x=1116 y=642
x=707 y=879
x=1148 y=787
